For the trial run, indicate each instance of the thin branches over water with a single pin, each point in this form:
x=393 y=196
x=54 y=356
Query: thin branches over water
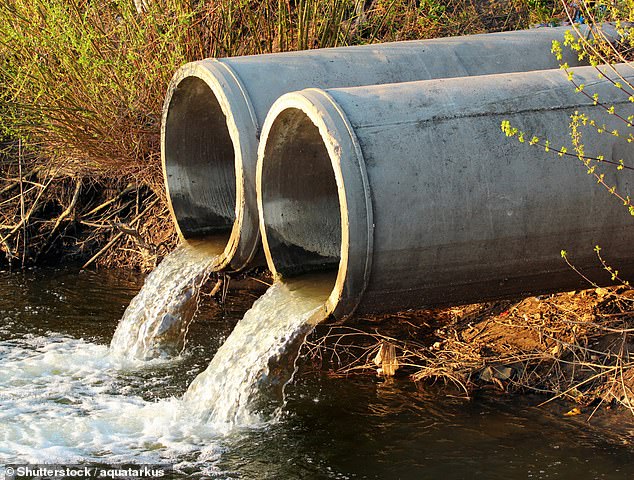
x=46 y=216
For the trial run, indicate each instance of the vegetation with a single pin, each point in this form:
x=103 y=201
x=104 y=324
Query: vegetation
x=573 y=346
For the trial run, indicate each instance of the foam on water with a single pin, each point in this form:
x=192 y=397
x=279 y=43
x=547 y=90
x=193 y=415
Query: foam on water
x=61 y=403
x=258 y=358
x=67 y=400
x=155 y=323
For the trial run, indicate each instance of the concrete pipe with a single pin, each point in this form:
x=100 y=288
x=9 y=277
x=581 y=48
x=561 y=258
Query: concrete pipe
x=415 y=197
x=214 y=109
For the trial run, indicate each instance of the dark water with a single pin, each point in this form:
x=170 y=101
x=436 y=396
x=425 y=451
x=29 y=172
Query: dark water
x=63 y=399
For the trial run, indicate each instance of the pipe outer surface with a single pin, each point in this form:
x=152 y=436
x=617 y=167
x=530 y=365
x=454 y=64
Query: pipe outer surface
x=428 y=203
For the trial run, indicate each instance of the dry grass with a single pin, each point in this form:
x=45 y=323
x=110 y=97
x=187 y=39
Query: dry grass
x=47 y=216
x=576 y=346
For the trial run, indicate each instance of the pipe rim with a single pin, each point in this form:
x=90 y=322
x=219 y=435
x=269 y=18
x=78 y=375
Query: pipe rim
x=346 y=160
x=226 y=87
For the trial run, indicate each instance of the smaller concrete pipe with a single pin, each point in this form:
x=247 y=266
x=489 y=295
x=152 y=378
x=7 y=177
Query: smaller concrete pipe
x=214 y=109
x=413 y=194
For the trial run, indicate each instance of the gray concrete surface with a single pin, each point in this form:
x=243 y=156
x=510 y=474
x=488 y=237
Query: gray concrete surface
x=414 y=195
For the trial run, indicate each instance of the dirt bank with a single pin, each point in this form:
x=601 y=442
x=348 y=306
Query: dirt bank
x=50 y=216
x=573 y=346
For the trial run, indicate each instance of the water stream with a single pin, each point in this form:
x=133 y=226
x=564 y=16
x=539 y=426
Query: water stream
x=156 y=322
x=251 y=368
x=258 y=359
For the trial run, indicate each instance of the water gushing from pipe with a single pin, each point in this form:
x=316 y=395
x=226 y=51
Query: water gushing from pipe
x=155 y=323
x=244 y=382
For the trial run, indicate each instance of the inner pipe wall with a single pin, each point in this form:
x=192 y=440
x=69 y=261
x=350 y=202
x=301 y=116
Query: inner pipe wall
x=302 y=200
x=199 y=165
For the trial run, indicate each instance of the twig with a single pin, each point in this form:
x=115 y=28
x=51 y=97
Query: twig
x=577 y=385
x=261 y=281
x=132 y=232
x=16 y=181
x=128 y=189
x=118 y=236
x=22 y=202
x=25 y=219
x=63 y=215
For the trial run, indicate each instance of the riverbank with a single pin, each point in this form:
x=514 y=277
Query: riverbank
x=572 y=346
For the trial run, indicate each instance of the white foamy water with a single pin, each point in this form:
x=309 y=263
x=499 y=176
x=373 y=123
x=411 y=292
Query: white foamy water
x=61 y=402
x=67 y=400
x=259 y=355
x=155 y=323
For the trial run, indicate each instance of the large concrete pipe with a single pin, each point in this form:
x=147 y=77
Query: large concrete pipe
x=413 y=194
x=214 y=110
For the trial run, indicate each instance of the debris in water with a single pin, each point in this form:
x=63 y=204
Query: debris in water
x=386 y=359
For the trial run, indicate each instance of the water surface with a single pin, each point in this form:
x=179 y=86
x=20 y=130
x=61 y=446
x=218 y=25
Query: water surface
x=64 y=398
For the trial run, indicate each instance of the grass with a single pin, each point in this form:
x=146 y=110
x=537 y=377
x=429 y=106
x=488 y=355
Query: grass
x=84 y=81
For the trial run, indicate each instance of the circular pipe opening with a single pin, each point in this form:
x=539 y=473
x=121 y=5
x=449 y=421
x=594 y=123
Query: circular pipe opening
x=300 y=199
x=314 y=200
x=199 y=161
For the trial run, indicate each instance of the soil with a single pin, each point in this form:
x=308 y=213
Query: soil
x=573 y=346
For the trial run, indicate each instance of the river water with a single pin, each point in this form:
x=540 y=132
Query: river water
x=65 y=398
